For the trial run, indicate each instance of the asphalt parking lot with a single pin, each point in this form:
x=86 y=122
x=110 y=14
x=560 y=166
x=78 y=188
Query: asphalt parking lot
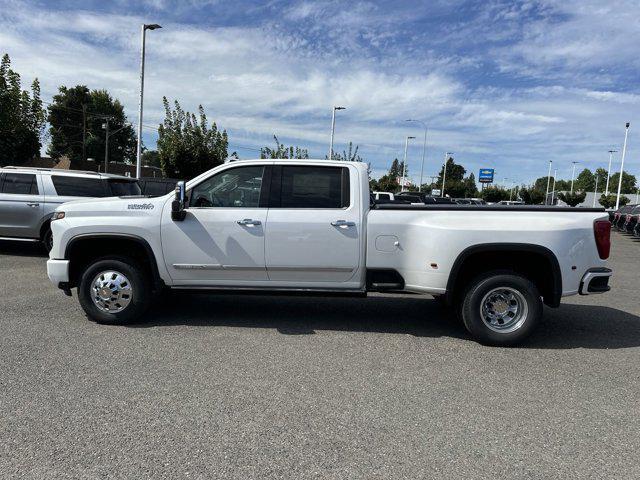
x=288 y=387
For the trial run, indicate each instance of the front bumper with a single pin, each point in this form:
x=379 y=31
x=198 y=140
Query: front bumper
x=58 y=271
x=596 y=280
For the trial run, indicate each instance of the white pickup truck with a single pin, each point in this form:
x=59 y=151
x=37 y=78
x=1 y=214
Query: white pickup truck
x=309 y=226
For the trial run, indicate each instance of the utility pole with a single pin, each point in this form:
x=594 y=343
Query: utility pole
x=333 y=129
x=444 y=173
x=573 y=174
x=606 y=189
x=106 y=144
x=84 y=133
x=404 y=163
x=624 y=152
x=546 y=196
x=145 y=27
x=424 y=150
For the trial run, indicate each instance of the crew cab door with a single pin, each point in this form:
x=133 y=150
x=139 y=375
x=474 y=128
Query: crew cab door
x=221 y=239
x=314 y=231
x=21 y=205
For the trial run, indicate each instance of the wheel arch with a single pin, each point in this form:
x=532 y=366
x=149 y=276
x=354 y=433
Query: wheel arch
x=81 y=248
x=534 y=261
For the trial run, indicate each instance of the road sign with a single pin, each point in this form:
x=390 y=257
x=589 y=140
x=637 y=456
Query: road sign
x=486 y=175
x=436 y=192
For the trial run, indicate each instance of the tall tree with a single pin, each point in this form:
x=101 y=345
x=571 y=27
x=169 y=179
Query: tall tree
x=187 y=145
x=282 y=151
x=21 y=117
x=628 y=183
x=78 y=118
x=585 y=182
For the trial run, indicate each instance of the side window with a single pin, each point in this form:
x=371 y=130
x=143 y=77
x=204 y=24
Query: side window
x=20 y=184
x=314 y=187
x=235 y=187
x=69 y=186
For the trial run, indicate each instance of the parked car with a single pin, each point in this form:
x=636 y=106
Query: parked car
x=307 y=226
x=620 y=216
x=631 y=220
x=29 y=196
x=156 y=187
x=511 y=202
x=636 y=230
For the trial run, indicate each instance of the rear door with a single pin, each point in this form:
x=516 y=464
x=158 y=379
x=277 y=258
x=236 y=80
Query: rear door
x=314 y=227
x=21 y=205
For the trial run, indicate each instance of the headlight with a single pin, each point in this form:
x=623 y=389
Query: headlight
x=57 y=216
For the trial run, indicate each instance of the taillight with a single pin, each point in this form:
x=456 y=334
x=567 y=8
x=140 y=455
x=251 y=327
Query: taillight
x=602 y=233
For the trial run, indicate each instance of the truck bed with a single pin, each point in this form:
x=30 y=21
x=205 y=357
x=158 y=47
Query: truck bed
x=489 y=208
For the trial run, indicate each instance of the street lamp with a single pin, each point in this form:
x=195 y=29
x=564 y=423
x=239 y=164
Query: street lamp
x=573 y=174
x=424 y=149
x=606 y=189
x=595 y=194
x=624 y=152
x=404 y=162
x=145 y=27
x=444 y=173
x=333 y=128
x=548 y=182
x=553 y=189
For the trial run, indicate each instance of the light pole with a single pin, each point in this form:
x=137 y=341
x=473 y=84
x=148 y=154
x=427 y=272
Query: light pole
x=404 y=162
x=333 y=129
x=424 y=149
x=546 y=196
x=624 y=152
x=595 y=194
x=145 y=27
x=444 y=173
x=553 y=189
x=573 y=174
x=606 y=189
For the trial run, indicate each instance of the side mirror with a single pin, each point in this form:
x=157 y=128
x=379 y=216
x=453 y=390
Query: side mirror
x=178 y=213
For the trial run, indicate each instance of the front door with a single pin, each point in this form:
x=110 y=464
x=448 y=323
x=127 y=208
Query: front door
x=21 y=205
x=221 y=239
x=314 y=231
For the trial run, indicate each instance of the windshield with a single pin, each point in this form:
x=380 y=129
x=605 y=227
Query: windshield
x=124 y=188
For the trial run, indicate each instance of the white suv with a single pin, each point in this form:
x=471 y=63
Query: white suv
x=29 y=196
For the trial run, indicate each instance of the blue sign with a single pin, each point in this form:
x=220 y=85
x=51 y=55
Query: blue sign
x=486 y=175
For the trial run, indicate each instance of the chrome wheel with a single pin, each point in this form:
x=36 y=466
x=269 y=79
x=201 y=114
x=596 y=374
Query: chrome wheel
x=111 y=291
x=504 y=309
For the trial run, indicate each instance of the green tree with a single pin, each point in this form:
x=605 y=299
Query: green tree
x=187 y=145
x=455 y=185
x=396 y=168
x=531 y=196
x=281 y=151
x=21 y=117
x=586 y=181
x=494 y=194
x=387 y=183
x=628 y=183
x=78 y=118
x=609 y=201
x=151 y=158
x=572 y=199
x=350 y=155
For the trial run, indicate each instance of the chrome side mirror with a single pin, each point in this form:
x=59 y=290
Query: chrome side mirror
x=178 y=213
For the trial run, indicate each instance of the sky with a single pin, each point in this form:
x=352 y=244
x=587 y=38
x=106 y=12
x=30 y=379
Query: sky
x=504 y=85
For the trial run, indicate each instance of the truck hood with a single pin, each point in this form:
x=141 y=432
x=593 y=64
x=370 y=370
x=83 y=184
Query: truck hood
x=113 y=205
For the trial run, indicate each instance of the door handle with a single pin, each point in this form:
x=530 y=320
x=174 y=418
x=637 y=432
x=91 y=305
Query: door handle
x=343 y=224
x=247 y=222
x=33 y=204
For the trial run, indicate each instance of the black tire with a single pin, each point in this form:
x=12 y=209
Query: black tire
x=518 y=289
x=136 y=276
x=47 y=239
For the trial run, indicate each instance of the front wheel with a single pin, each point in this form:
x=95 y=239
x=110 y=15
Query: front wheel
x=114 y=290
x=501 y=308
